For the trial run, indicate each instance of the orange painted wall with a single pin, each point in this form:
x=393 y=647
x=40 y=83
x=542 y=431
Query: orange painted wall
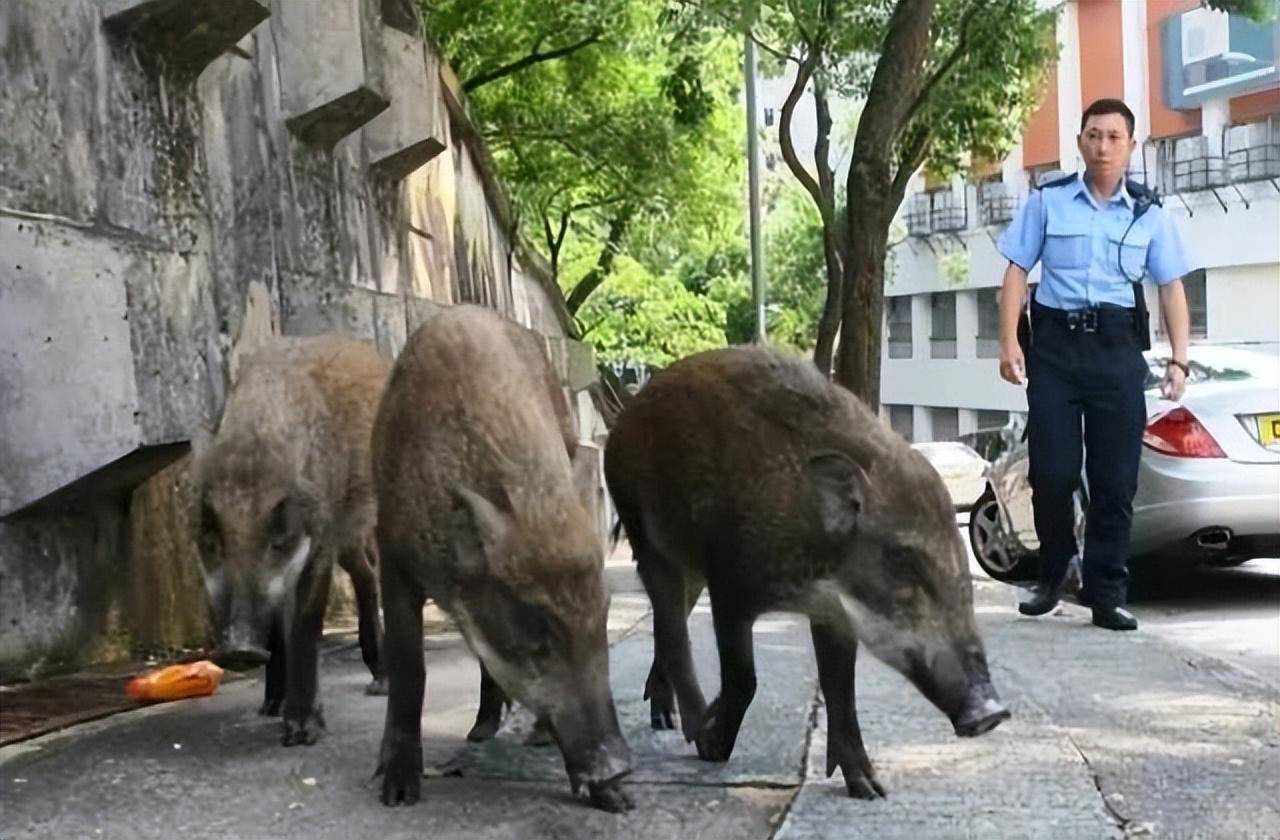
x=1255 y=105
x=1101 y=50
x=1040 y=140
x=1165 y=122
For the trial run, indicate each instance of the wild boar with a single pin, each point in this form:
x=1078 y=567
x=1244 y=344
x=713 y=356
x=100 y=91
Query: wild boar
x=282 y=490
x=749 y=470
x=477 y=510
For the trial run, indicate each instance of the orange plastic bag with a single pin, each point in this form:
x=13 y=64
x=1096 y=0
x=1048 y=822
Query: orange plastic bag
x=177 y=682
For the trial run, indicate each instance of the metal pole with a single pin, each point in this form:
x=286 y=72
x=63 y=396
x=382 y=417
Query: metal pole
x=753 y=188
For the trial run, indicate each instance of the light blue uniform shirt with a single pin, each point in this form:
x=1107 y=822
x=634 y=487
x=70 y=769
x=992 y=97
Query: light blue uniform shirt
x=1077 y=241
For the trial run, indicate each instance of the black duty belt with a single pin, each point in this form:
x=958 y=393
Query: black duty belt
x=1094 y=319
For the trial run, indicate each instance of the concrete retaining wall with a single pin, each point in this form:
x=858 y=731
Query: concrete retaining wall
x=178 y=180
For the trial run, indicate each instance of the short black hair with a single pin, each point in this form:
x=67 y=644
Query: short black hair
x=1107 y=106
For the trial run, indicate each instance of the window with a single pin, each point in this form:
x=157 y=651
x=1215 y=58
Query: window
x=942 y=339
x=901 y=420
x=899 y=318
x=946 y=423
x=1197 y=303
x=989 y=323
x=988 y=419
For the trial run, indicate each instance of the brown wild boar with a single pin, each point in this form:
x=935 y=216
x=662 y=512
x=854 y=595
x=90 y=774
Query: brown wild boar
x=748 y=470
x=282 y=490
x=477 y=509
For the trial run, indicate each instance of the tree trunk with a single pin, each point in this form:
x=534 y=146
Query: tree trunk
x=829 y=323
x=898 y=78
x=834 y=252
x=858 y=362
x=593 y=279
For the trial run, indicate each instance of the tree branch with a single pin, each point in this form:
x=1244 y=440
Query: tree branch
x=593 y=279
x=913 y=156
x=948 y=64
x=788 y=144
x=528 y=61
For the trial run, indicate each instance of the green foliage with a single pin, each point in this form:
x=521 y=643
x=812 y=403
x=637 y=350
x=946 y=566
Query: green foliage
x=1258 y=10
x=640 y=115
x=651 y=318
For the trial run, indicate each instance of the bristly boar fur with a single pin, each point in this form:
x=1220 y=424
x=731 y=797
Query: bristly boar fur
x=282 y=491
x=478 y=510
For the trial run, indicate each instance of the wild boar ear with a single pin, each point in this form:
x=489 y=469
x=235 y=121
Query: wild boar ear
x=478 y=531
x=841 y=485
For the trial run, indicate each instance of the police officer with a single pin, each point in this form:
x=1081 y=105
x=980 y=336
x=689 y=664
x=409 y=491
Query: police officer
x=1095 y=237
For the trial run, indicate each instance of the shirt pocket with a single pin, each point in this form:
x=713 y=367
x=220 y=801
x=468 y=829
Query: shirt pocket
x=1127 y=253
x=1066 y=245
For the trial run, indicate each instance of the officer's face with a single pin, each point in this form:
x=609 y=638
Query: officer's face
x=1105 y=144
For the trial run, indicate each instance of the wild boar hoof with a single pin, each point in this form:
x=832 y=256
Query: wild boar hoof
x=541 y=735
x=401 y=769
x=377 y=687
x=483 y=730
x=713 y=743
x=609 y=796
x=303 y=730
x=270 y=707
x=862 y=785
x=662 y=702
x=401 y=785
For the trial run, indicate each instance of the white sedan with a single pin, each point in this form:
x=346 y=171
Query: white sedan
x=963 y=471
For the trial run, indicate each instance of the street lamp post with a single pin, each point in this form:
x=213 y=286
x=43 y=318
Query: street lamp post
x=753 y=188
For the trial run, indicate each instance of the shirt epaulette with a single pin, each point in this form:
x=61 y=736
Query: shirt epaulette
x=1059 y=182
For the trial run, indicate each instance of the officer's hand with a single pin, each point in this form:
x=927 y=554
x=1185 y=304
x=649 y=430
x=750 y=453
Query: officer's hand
x=1013 y=367
x=1174 y=384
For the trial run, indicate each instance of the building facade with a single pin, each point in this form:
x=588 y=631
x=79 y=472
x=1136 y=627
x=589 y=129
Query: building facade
x=1205 y=89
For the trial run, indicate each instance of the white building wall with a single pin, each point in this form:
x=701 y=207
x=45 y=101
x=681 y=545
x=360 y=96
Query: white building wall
x=1243 y=303
x=1068 y=87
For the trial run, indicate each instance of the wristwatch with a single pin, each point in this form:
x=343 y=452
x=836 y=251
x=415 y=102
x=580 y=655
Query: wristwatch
x=1186 y=371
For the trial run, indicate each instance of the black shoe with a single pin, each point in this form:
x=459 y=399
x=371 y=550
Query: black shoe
x=1042 y=601
x=1114 y=618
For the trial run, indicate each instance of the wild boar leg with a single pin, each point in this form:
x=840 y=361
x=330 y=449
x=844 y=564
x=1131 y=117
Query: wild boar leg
x=276 y=675
x=492 y=701
x=303 y=716
x=657 y=690
x=672 y=656
x=400 y=757
x=724 y=716
x=359 y=562
x=836 y=648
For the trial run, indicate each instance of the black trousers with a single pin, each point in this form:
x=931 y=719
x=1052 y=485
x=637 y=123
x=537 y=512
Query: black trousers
x=1085 y=388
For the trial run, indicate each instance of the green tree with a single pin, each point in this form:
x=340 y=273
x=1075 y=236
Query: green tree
x=938 y=79
x=649 y=318
x=609 y=121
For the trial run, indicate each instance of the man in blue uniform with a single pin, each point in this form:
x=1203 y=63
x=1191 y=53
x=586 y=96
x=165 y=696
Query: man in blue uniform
x=1096 y=237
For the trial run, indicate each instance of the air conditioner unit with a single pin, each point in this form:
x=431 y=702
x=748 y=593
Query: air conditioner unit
x=1206 y=34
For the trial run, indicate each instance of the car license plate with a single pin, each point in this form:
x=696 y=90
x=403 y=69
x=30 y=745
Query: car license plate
x=1269 y=430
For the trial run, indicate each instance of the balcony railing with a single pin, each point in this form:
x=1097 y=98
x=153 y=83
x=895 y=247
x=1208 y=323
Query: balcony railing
x=997 y=203
x=939 y=211
x=919 y=222
x=1253 y=150
x=1246 y=153
x=950 y=211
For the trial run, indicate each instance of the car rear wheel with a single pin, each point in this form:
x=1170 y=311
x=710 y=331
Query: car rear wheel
x=995 y=552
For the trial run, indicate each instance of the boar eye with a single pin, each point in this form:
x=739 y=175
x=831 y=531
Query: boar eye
x=281 y=527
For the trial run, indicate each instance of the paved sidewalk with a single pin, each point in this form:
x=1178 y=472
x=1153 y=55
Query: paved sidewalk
x=1112 y=735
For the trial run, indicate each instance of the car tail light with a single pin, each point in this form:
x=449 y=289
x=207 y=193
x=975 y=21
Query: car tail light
x=1178 y=432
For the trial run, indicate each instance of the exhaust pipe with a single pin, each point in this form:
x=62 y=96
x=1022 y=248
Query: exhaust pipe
x=1213 y=539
